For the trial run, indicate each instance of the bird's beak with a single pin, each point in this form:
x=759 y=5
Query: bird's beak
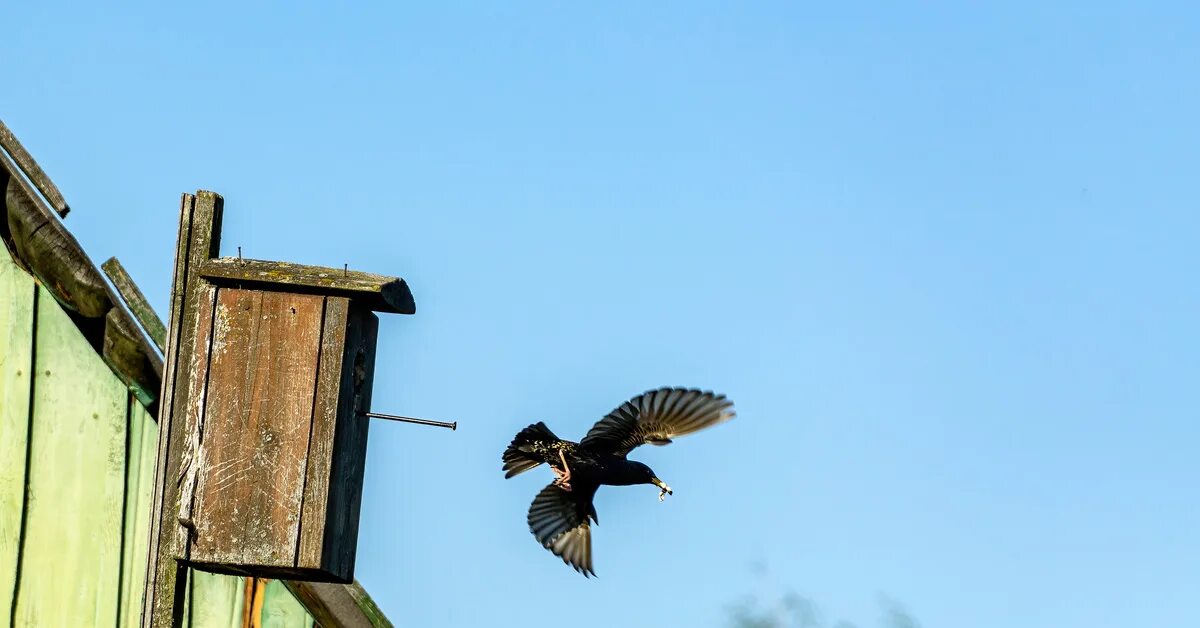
x=666 y=490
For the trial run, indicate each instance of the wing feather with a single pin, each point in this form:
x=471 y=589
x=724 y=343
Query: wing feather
x=656 y=417
x=558 y=519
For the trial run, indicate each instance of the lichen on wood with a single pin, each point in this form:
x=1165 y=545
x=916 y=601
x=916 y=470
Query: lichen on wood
x=380 y=293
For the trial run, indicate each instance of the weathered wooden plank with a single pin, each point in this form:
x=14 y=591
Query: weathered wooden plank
x=139 y=490
x=341 y=605
x=236 y=319
x=283 y=411
x=77 y=458
x=54 y=256
x=367 y=606
x=125 y=351
x=51 y=252
x=320 y=449
x=239 y=316
x=159 y=539
x=379 y=292
x=25 y=161
x=281 y=609
x=350 y=442
x=17 y=305
x=259 y=412
x=137 y=302
x=216 y=601
x=194 y=463
x=252 y=603
x=199 y=239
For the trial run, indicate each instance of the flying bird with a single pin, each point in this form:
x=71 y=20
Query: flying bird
x=559 y=515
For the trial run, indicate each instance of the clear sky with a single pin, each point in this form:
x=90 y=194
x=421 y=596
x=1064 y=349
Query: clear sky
x=942 y=258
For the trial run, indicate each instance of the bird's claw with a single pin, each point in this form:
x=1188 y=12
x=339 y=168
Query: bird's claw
x=662 y=494
x=563 y=477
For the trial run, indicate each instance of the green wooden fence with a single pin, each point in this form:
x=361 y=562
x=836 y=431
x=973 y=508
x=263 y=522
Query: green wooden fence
x=77 y=457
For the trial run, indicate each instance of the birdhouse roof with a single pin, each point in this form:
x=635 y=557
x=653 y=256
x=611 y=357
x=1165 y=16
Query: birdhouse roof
x=381 y=293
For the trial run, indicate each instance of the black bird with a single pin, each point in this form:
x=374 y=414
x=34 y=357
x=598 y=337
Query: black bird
x=558 y=517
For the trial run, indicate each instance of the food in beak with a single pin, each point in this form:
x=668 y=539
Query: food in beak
x=666 y=490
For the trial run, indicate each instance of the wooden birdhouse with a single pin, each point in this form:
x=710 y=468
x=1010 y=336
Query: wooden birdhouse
x=267 y=380
x=285 y=378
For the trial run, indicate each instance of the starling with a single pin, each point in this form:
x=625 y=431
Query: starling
x=558 y=516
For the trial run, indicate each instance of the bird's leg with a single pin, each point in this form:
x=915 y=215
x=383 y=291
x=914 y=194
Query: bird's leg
x=564 y=476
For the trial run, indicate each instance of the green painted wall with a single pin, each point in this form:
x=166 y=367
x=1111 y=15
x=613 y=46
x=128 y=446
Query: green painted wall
x=16 y=350
x=76 y=480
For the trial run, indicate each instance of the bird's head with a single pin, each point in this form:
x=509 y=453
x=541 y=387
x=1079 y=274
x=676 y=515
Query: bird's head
x=645 y=475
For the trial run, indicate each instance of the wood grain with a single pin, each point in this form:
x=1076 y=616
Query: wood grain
x=324 y=424
x=259 y=411
x=17 y=294
x=193 y=461
x=199 y=239
x=125 y=350
x=25 y=161
x=139 y=490
x=137 y=302
x=51 y=252
x=77 y=457
x=341 y=605
x=350 y=444
x=379 y=292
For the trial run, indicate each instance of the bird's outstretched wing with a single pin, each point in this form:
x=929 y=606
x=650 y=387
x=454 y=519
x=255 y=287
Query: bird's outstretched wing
x=656 y=417
x=558 y=519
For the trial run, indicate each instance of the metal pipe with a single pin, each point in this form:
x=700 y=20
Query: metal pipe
x=409 y=419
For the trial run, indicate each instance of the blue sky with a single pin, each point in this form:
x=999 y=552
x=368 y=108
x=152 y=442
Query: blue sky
x=942 y=258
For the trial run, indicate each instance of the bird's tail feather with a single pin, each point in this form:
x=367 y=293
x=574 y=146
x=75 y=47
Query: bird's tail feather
x=520 y=455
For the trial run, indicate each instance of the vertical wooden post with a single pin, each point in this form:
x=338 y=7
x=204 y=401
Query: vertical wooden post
x=166 y=576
